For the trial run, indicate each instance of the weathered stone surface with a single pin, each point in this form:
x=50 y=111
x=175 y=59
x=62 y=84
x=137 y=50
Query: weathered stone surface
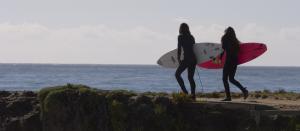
x=80 y=108
x=74 y=108
x=19 y=112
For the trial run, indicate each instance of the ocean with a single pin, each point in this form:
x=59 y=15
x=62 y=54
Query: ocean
x=141 y=78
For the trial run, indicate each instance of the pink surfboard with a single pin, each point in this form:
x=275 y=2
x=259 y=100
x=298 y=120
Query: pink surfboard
x=248 y=52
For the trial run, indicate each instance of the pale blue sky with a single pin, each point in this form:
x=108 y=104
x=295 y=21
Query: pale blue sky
x=54 y=31
x=150 y=12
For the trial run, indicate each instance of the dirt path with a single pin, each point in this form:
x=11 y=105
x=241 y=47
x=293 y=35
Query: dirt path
x=276 y=104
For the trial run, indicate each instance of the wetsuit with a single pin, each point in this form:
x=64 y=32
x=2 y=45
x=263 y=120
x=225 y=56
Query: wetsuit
x=186 y=42
x=230 y=67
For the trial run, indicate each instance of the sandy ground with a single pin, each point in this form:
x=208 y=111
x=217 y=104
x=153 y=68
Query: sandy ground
x=277 y=104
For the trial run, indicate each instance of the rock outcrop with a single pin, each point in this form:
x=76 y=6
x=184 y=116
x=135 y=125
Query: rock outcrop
x=19 y=111
x=80 y=108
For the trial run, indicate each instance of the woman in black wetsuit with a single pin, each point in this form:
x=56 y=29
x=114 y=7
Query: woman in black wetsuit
x=230 y=45
x=186 y=42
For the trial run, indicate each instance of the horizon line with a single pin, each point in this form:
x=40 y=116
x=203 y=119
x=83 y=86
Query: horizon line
x=29 y=63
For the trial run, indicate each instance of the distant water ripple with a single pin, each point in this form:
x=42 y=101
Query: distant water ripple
x=141 y=78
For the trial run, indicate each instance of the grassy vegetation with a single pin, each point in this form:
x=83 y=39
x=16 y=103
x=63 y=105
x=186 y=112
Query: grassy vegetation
x=181 y=98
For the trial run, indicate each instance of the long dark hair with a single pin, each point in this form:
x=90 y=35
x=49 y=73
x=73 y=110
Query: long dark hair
x=230 y=38
x=184 y=29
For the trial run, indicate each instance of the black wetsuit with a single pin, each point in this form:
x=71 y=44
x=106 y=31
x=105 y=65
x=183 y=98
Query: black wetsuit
x=230 y=67
x=189 y=61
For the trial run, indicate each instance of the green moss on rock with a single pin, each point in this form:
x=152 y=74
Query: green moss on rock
x=80 y=108
x=73 y=108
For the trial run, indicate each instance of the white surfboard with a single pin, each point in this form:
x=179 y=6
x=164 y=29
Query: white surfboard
x=203 y=51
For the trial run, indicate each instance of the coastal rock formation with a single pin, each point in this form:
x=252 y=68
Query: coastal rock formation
x=80 y=108
x=73 y=108
x=19 y=111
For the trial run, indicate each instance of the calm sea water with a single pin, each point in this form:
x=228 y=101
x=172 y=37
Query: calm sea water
x=141 y=78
